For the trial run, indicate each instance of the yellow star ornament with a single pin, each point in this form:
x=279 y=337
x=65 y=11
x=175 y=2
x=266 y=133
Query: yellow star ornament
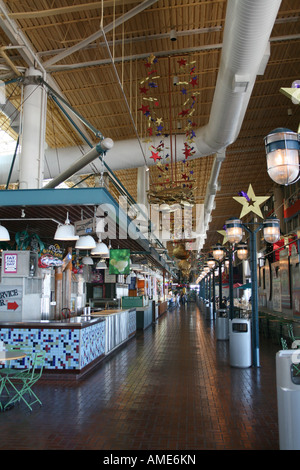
x=253 y=205
x=224 y=235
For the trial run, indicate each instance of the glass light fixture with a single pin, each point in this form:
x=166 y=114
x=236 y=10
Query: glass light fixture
x=234 y=230
x=282 y=151
x=227 y=263
x=86 y=242
x=242 y=251
x=271 y=230
x=4 y=235
x=101 y=249
x=65 y=231
x=218 y=252
x=211 y=262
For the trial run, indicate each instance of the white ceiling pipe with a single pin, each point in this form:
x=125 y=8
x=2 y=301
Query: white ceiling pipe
x=104 y=145
x=248 y=27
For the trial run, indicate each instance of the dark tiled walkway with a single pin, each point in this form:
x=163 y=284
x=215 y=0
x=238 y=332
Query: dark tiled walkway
x=170 y=388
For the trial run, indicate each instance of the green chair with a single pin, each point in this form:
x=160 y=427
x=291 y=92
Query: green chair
x=293 y=338
x=284 y=343
x=9 y=371
x=295 y=368
x=22 y=382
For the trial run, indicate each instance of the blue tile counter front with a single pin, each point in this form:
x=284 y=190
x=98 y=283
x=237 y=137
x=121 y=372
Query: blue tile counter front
x=67 y=349
x=73 y=346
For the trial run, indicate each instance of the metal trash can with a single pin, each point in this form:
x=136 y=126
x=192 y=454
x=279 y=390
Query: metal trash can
x=222 y=324
x=209 y=311
x=240 y=342
x=288 y=398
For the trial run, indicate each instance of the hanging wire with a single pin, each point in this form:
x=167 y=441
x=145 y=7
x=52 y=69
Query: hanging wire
x=125 y=99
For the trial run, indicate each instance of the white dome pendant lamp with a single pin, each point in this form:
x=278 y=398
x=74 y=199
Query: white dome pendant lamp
x=101 y=249
x=66 y=231
x=86 y=242
x=4 y=235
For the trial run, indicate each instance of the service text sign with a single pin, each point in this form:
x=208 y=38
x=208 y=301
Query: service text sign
x=11 y=299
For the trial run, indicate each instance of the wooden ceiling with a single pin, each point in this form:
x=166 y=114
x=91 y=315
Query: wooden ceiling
x=108 y=96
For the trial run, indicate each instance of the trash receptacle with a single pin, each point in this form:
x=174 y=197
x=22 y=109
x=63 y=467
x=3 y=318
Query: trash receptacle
x=288 y=398
x=209 y=311
x=222 y=324
x=240 y=342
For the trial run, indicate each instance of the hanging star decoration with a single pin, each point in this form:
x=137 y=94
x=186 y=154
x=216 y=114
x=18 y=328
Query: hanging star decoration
x=147 y=92
x=155 y=156
x=181 y=62
x=224 y=235
x=250 y=202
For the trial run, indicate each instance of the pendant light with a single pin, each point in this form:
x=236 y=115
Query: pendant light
x=234 y=230
x=66 y=231
x=4 y=235
x=101 y=264
x=101 y=249
x=242 y=251
x=87 y=260
x=86 y=242
x=282 y=152
x=271 y=230
x=218 y=252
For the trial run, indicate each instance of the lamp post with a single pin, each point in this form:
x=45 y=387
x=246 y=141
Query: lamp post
x=242 y=252
x=211 y=264
x=218 y=253
x=282 y=152
x=271 y=232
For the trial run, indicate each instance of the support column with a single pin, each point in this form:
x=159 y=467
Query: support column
x=33 y=133
x=142 y=186
x=230 y=253
x=58 y=292
x=254 y=299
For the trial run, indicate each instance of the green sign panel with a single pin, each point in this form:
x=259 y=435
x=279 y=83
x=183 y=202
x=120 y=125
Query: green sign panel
x=119 y=262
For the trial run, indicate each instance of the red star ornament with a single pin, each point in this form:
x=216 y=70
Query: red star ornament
x=194 y=82
x=144 y=109
x=184 y=112
x=143 y=90
x=187 y=151
x=181 y=62
x=155 y=156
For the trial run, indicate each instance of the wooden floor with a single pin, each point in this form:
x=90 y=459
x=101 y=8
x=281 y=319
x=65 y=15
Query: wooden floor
x=170 y=388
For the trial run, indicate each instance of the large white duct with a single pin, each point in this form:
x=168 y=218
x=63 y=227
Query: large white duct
x=245 y=51
x=248 y=27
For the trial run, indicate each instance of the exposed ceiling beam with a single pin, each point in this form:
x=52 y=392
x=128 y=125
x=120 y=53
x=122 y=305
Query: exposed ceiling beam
x=93 y=63
x=171 y=52
x=132 y=40
x=25 y=15
x=19 y=40
x=93 y=37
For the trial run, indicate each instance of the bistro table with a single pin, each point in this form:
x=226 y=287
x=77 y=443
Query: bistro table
x=8 y=356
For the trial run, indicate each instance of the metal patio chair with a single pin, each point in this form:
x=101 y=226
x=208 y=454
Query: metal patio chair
x=22 y=382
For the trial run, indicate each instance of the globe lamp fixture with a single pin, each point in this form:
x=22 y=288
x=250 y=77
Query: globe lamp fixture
x=282 y=152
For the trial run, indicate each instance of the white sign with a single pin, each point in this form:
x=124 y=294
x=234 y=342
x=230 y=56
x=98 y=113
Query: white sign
x=10 y=262
x=11 y=299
